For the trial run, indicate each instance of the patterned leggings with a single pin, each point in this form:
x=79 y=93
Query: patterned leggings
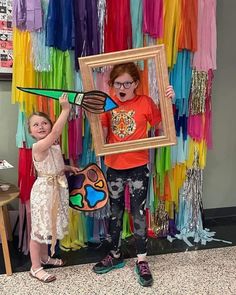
x=137 y=180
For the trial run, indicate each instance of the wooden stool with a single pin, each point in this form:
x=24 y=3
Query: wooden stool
x=5 y=226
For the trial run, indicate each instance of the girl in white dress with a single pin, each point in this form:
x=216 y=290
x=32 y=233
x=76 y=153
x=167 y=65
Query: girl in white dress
x=49 y=200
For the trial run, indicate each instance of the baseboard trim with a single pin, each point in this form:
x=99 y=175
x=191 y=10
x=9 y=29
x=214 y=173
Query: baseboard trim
x=219 y=212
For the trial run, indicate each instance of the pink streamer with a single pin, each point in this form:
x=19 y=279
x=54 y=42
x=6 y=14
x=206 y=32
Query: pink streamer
x=127 y=198
x=75 y=137
x=208 y=113
x=205 y=56
x=153 y=18
x=200 y=125
x=24 y=227
x=195 y=127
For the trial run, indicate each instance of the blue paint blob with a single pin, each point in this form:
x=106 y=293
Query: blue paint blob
x=93 y=196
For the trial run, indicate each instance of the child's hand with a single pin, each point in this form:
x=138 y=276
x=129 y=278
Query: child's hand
x=63 y=100
x=170 y=92
x=71 y=169
x=74 y=170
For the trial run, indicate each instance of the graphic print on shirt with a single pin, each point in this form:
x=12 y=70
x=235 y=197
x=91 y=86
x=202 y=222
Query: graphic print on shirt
x=123 y=123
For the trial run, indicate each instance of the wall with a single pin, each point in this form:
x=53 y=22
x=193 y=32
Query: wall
x=8 y=125
x=219 y=175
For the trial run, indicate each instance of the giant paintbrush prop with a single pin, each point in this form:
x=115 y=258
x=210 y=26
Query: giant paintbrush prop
x=94 y=101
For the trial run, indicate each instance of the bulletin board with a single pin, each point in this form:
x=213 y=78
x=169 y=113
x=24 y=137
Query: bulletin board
x=6 y=47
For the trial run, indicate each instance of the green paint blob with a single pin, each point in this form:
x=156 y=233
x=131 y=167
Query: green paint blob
x=76 y=200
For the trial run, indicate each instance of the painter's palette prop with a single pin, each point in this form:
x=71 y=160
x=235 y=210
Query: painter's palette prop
x=88 y=189
x=94 y=101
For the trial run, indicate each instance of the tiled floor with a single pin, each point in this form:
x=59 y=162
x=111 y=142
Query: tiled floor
x=225 y=229
x=212 y=271
x=206 y=272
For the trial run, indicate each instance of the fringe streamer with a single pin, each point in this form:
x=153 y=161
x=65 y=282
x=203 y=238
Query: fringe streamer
x=23 y=138
x=152 y=81
x=205 y=56
x=59 y=24
x=26 y=175
x=180 y=78
x=101 y=7
x=198 y=92
x=136 y=11
x=23 y=71
x=118 y=29
x=41 y=52
x=172 y=10
x=189 y=219
x=76 y=237
x=161 y=220
x=189 y=23
x=27 y=15
x=200 y=125
x=86 y=29
x=153 y=18
x=24 y=227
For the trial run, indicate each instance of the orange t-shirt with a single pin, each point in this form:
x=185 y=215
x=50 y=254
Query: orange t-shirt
x=129 y=122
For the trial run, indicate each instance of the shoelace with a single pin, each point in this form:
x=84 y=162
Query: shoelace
x=144 y=269
x=107 y=260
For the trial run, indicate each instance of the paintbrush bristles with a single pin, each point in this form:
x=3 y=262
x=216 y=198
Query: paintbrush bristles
x=94 y=101
x=95 y=95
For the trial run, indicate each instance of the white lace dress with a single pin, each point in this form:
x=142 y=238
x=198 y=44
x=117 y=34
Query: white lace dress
x=42 y=198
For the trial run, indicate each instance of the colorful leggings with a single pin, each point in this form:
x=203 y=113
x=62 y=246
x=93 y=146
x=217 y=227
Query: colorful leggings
x=137 y=180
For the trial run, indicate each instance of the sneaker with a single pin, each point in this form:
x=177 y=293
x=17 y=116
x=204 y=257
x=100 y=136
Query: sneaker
x=108 y=263
x=143 y=272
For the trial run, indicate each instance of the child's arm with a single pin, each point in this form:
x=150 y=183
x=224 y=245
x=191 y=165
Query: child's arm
x=45 y=143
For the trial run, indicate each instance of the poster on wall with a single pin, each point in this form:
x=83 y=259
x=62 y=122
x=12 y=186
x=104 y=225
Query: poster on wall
x=6 y=47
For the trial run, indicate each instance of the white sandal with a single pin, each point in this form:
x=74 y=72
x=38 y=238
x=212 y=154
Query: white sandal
x=45 y=278
x=56 y=262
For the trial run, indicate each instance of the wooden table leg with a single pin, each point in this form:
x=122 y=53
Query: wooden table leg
x=5 y=249
x=7 y=223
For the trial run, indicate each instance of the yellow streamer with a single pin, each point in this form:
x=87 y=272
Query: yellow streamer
x=202 y=152
x=23 y=71
x=76 y=237
x=172 y=15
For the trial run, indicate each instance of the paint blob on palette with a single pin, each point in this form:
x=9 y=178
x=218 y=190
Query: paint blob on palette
x=88 y=189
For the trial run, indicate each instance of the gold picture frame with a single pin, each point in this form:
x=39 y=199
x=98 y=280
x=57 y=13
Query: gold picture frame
x=89 y=64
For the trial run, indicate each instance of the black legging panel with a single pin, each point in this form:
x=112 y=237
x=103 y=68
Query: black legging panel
x=137 y=180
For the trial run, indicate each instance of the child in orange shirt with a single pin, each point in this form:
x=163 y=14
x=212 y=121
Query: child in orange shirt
x=128 y=122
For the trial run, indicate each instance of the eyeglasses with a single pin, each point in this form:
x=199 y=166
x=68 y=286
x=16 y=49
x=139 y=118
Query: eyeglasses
x=126 y=84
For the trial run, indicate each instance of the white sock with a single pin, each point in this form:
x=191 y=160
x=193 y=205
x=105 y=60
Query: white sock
x=115 y=254
x=142 y=257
